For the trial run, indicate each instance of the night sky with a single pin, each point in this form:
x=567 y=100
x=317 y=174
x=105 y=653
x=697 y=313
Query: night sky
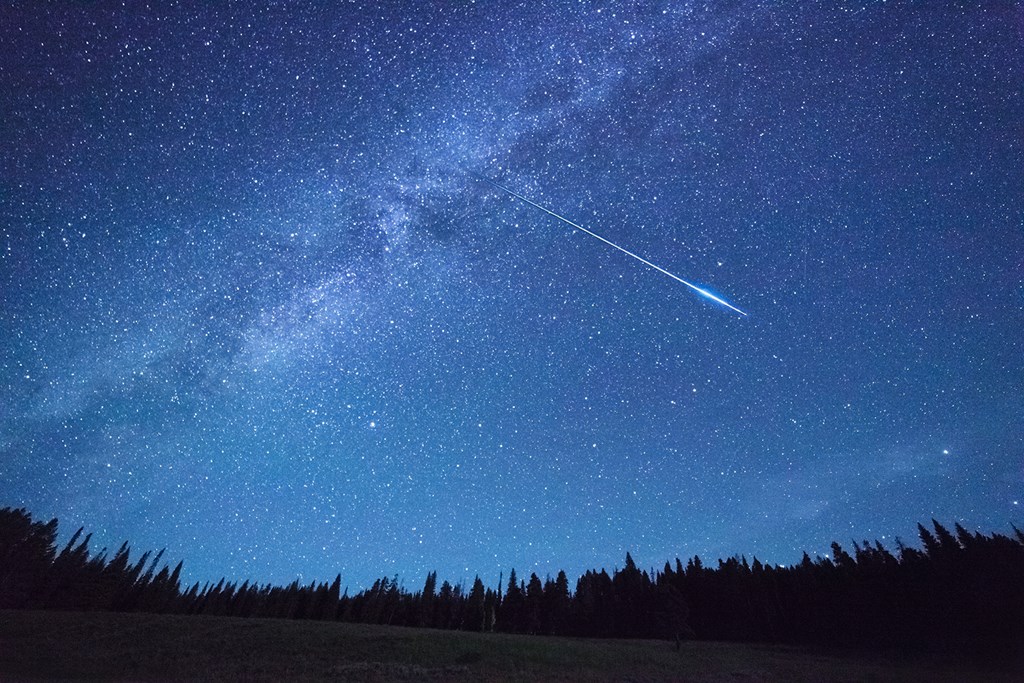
x=258 y=308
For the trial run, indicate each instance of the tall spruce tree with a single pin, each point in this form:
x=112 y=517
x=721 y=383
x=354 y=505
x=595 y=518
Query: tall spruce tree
x=474 y=618
x=510 y=613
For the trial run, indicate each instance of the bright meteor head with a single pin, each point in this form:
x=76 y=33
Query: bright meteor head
x=718 y=300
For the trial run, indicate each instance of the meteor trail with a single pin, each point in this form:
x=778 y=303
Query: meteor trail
x=699 y=290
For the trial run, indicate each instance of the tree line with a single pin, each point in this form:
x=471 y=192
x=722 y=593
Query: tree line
x=960 y=592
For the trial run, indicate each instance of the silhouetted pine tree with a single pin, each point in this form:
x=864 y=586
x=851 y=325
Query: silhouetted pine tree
x=556 y=605
x=474 y=618
x=330 y=608
x=443 y=607
x=512 y=605
x=27 y=551
x=593 y=609
x=427 y=601
x=492 y=603
x=533 y=605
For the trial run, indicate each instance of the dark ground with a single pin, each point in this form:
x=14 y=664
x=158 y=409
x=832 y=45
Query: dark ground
x=144 y=647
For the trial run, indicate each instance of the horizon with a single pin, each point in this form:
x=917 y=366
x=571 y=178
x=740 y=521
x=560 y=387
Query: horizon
x=890 y=543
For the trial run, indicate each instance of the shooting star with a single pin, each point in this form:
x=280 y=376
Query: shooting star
x=699 y=290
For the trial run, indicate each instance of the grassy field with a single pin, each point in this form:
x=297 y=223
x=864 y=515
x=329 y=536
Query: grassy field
x=142 y=647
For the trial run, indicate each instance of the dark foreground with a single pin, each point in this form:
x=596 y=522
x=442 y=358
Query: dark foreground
x=144 y=647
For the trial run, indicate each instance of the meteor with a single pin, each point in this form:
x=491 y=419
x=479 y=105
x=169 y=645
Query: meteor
x=699 y=290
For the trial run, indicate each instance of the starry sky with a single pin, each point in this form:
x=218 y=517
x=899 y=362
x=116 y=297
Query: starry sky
x=258 y=308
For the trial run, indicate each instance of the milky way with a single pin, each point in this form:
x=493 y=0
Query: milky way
x=252 y=310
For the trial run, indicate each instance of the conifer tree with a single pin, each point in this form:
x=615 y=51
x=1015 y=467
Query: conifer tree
x=491 y=605
x=533 y=605
x=474 y=619
x=427 y=599
x=556 y=605
x=27 y=551
x=445 y=597
x=510 y=614
x=330 y=612
x=931 y=545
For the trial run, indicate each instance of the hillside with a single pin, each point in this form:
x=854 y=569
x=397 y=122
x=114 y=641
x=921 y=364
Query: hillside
x=36 y=645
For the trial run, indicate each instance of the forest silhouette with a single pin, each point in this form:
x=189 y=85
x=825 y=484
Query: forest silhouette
x=961 y=593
